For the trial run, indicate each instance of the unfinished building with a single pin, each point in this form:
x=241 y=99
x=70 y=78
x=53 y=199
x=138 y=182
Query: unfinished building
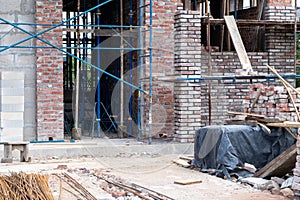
x=135 y=68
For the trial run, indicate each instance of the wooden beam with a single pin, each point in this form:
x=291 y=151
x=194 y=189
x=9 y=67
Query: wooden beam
x=285 y=124
x=259 y=16
x=247 y=114
x=187 y=5
x=255 y=100
x=282 y=79
x=238 y=44
x=249 y=22
x=104 y=32
x=222 y=27
x=281 y=165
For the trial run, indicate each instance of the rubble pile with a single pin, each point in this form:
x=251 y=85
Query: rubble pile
x=275 y=185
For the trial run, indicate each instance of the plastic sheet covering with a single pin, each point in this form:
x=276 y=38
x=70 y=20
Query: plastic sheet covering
x=226 y=148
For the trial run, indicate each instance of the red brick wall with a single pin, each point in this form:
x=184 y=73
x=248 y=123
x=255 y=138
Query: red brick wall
x=163 y=59
x=279 y=2
x=49 y=73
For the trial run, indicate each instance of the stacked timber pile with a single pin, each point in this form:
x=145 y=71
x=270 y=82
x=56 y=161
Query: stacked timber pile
x=19 y=186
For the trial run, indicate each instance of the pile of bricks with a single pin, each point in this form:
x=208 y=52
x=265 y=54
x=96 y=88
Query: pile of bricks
x=273 y=101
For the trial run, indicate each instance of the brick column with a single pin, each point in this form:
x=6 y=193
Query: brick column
x=187 y=64
x=49 y=73
x=280 y=39
x=280 y=45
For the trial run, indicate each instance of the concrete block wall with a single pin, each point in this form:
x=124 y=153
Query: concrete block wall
x=49 y=73
x=11 y=106
x=187 y=64
x=17 y=60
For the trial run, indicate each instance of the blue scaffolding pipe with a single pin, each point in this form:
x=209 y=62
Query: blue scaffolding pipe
x=73 y=25
x=81 y=60
x=92 y=48
x=140 y=67
x=130 y=71
x=49 y=29
x=118 y=34
x=150 y=71
x=235 y=78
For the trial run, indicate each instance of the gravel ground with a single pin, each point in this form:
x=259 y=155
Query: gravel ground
x=153 y=171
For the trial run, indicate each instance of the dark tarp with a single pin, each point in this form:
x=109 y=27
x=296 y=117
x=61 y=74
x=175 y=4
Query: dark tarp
x=226 y=148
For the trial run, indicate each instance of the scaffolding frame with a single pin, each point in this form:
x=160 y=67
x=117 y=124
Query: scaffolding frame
x=83 y=62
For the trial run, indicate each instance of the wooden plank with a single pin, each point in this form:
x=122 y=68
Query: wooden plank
x=264 y=127
x=238 y=43
x=241 y=122
x=247 y=22
x=187 y=5
x=222 y=27
x=187 y=158
x=293 y=101
x=281 y=165
x=182 y=163
x=247 y=114
x=259 y=16
x=255 y=100
x=282 y=79
x=187 y=182
x=264 y=120
x=285 y=124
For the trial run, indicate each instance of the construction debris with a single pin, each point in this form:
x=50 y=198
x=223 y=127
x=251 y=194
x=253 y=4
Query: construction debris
x=73 y=183
x=121 y=189
x=21 y=186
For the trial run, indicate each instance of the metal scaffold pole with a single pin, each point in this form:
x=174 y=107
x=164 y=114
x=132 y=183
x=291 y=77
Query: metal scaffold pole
x=140 y=120
x=121 y=72
x=79 y=40
x=150 y=71
x=76 y=131
x=131 y=112
x=98 y=92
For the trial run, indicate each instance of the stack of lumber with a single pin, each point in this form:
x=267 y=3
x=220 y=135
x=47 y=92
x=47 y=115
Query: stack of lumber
x=263 y=121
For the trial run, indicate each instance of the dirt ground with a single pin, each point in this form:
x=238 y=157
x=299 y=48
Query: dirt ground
x=153 y=171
